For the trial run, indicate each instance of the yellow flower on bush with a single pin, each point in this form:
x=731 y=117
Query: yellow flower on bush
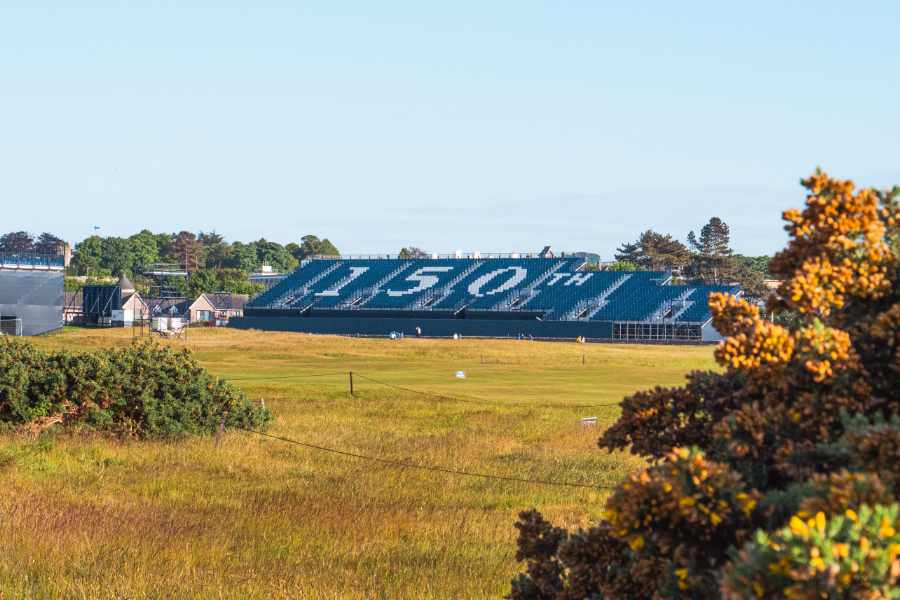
x=855 y=554
x=839 y=249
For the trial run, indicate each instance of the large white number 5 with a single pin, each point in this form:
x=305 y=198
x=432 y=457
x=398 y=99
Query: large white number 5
x=424 y=281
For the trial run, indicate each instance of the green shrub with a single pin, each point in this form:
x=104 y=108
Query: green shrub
x=144 y=390
x=852 y=555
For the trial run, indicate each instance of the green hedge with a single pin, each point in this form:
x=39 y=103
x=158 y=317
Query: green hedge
x=145 y=390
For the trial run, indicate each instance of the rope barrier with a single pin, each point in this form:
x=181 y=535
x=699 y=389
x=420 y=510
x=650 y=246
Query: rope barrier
x=477 y=400
x=280 y=377
x=434 y=468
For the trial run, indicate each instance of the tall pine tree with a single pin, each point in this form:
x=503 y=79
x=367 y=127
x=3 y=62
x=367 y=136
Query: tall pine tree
x=712 y=259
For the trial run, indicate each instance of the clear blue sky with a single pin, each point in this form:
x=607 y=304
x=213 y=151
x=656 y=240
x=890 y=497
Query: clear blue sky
x=491 y=126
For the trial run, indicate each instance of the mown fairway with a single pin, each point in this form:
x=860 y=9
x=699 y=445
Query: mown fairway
x=91 y=517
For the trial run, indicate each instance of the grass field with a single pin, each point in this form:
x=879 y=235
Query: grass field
x=90 y=517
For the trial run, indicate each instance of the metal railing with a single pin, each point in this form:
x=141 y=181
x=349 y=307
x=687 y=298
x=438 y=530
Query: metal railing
x=11 y=326
x=31 y=260
x=473 y=255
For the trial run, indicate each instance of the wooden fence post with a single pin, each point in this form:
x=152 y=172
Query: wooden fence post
x=351 y=383
x=220 y=431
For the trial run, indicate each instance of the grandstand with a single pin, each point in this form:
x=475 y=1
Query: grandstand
x=31 y=293
x=497 y=296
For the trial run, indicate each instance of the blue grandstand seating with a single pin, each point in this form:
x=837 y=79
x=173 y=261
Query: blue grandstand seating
x=292 y=283
x=698 y=311
x=353 y=279
x=31 y=260
x=636 y=298
x=494 y=280
x=423 y=278
x=564 y=291
x=552 y=286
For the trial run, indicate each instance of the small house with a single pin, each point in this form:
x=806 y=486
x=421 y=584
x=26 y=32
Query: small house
x=168 y=307
x=217 y=308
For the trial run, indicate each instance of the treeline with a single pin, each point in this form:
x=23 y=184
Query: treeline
x=213 y=263
x=706 y=257
x=217 y=265
x=116 y=256
x=16 y=242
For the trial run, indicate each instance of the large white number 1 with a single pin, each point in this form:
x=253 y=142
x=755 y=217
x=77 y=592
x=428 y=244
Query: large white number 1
x=355 y=273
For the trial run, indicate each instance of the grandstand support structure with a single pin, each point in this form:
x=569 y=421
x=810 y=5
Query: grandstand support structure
x=586 y=309
x=429 y=301
x=10 y=326
x=644 y=331
x=517 y=299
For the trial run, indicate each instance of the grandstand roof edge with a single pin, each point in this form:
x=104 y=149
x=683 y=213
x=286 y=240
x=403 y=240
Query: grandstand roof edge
x=460 y=255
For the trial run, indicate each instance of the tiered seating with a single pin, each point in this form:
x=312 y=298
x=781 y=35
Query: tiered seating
x=553 y=287
x=560 y=295
x=422 y=278
x=637 y=298
x=31 y=260
x=290 y=284
x=493 y=281
x=698 y=312
x=353 y=279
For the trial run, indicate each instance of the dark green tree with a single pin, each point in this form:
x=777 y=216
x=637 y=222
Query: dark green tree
x=187 y=251
x=88 y=256
x=164 y=244
x=274 y=255
x=412 y=252
x=215 y=249
x=243 y=257
x=751 y=272
x=144 y=250
x=311 y=245
x=117 y=256
x=17 y=241
x=654 y=251
x=661 y=251
x=203 y=281
x=629 y=252
x=712 y=258
x=47 y=243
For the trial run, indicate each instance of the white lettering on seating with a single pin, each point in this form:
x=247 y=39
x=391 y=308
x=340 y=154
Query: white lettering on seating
x=578 y=278
x=355 y=273
x=423 y=281
x=519 y=276
x=556 y=277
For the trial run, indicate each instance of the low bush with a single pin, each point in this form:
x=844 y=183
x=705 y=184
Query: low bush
x=144 y=390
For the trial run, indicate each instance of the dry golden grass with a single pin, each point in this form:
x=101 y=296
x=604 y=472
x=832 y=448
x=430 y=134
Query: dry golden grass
x=89 y=517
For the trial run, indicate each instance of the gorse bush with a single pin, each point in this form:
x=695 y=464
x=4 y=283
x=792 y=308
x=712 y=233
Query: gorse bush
x=850 y=555
x=144 y=390
x=779 y=476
